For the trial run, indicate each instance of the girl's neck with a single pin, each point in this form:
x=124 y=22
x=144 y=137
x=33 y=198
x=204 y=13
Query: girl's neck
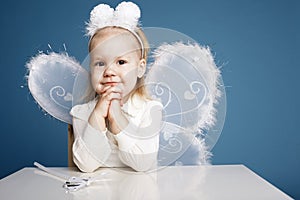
x=129 y=96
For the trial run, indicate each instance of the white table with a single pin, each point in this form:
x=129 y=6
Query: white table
x=218 y=182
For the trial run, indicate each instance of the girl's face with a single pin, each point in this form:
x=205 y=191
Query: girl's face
x=116 y=61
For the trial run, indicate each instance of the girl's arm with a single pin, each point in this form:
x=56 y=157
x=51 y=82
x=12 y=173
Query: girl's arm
x=91 y=147
x=138 y=142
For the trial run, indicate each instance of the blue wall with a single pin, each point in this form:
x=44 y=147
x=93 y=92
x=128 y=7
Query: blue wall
x=257 y=42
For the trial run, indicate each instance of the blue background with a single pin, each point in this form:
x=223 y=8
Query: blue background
x=256 y=42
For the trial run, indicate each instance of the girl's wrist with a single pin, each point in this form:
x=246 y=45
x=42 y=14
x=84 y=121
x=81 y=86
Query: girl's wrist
x=118 y=124
x=97 y=121
x=114 y=128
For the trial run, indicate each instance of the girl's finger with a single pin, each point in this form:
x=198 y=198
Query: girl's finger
x=103 y=89
x=113 y=89
x=112 y=96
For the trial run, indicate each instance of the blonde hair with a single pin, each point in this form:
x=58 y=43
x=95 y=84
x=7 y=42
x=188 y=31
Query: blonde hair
x=140 y=85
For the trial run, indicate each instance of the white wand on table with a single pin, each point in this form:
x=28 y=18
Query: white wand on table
x=72 y=184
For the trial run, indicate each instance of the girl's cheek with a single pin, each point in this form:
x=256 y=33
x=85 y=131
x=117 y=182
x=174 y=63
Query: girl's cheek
x=97 y=86
x=96 y=75
x=95 y=82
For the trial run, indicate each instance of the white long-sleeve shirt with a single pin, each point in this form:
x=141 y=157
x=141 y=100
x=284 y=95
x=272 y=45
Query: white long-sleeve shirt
x=136 y=146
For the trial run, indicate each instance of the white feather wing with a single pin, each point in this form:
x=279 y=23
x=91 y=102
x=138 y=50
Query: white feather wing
x=51 y=79
x=185 y=78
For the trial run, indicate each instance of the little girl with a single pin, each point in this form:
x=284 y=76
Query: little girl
x=120 y=127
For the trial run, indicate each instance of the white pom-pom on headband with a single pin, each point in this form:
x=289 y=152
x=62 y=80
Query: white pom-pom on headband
x=126 y=15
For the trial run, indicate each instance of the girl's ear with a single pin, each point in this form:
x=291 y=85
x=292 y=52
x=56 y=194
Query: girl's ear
x=142 y=68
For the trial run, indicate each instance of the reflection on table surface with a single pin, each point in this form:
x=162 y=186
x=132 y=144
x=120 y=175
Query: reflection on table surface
x=177 y=182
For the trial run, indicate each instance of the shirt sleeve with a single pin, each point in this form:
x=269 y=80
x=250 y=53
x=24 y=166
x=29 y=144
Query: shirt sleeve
x=91 y=147
x=139 y=142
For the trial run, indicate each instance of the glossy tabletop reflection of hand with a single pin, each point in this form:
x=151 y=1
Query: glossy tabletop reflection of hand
x=177 y=182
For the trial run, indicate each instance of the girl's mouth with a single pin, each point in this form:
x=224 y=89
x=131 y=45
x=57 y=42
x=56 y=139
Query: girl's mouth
x=111 y=83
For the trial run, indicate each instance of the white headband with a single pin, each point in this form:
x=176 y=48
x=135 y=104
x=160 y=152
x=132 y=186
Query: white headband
x=126 y=15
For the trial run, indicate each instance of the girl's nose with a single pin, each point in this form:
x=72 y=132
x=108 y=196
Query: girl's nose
x=109 y=71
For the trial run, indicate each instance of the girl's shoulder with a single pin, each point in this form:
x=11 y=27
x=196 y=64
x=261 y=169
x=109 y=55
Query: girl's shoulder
x=83 y=111
x=137 y=105
x=153 y=102
x=139 y=101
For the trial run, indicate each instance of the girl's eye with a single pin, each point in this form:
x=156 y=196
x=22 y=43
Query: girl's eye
x=99 y=64
x=121 y=62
